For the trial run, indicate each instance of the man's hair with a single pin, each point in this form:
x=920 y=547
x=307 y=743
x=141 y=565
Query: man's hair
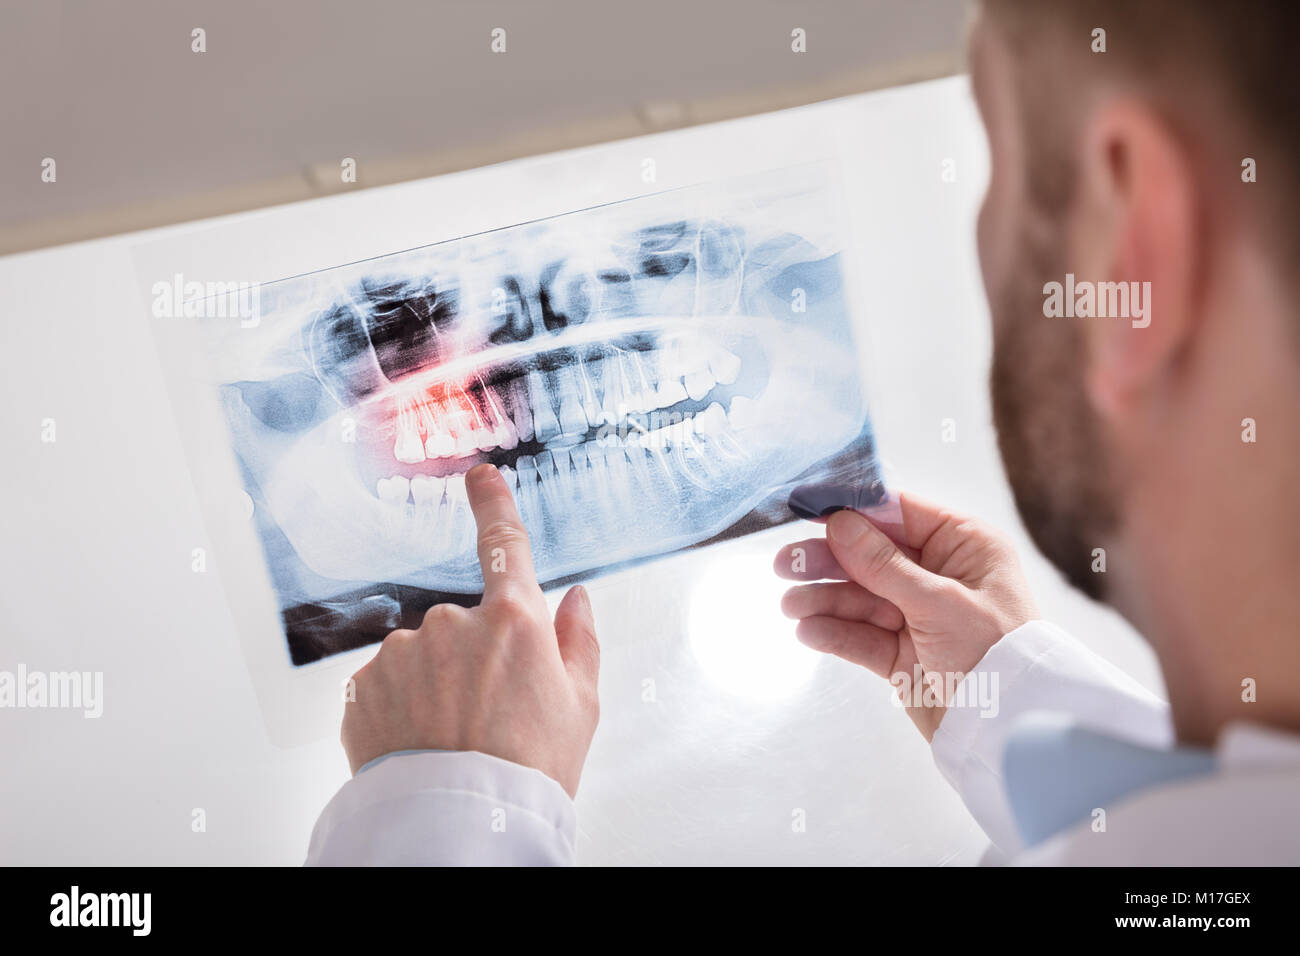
x=1224 y=73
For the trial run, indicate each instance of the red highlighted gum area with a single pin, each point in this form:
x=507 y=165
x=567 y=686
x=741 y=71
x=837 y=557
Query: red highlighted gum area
x=446 y=420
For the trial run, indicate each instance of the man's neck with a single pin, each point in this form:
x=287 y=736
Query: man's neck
x=1209 y=564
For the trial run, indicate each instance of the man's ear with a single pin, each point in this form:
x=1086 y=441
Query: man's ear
x=1138 y=216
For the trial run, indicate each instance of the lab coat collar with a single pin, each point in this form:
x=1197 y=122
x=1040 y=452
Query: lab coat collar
x=1058 y=773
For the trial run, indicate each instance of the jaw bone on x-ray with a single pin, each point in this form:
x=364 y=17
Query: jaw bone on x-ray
x=648 y=375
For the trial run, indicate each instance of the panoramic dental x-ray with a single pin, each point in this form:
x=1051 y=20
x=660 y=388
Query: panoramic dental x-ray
x=648 y=376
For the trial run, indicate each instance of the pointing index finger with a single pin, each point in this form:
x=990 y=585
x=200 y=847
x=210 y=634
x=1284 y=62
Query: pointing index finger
x=504 y=553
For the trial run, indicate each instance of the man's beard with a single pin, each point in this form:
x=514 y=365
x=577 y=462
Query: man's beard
x=1048 y=433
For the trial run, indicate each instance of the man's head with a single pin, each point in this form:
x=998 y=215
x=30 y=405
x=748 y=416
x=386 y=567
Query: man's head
x=1120 y=133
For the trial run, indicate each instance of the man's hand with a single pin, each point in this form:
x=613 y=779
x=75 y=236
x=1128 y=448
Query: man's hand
x=500 y=678
x=941 y=596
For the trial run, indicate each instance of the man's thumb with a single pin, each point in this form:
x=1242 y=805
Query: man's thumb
x=575 y=628
x=870 y=558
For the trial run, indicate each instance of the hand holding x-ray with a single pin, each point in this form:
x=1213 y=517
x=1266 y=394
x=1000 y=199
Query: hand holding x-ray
x=935 y=594
x=500 y=678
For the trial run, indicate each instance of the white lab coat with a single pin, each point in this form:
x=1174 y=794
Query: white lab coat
x=469 y=808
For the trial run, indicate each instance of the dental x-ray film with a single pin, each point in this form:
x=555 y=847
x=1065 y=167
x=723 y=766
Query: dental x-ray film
x=649 y=375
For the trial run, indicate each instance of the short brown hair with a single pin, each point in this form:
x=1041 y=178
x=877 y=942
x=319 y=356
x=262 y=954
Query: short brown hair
x=1226 y=73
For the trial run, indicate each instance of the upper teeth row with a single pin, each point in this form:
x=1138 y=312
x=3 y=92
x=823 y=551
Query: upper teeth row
x=630 y=383
x=427 y=489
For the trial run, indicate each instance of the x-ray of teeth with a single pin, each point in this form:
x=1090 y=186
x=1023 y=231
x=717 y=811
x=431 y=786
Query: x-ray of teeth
x=650 y=375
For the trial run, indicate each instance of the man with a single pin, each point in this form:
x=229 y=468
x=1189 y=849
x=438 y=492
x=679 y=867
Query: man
x=1167 y=438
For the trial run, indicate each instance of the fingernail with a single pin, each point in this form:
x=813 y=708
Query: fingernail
x=481 y=472
x=846 y=527
x=582 y=596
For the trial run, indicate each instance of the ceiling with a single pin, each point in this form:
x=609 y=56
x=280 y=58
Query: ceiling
x=145 y=132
